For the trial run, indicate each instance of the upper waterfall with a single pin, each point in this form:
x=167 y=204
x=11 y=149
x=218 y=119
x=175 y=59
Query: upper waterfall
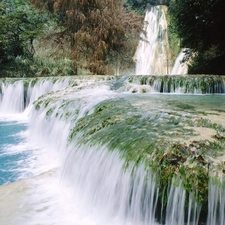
x=153 y=52
x=152 y=55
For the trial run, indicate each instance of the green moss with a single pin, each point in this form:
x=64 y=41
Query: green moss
x=144 y=80
x=33 y=82
x=143 y=90
x=50 y=111
x=46 y=102
x=202 y=122
x=119 y=125
x=26 y=83
x=37 y=104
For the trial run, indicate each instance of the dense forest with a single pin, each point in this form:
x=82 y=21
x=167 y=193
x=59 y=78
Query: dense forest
x=56 y=38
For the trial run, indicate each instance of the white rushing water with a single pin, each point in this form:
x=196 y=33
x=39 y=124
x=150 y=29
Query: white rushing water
x=13 y=101
x=83 y=184
x=179 y=67
x=152 y=53
x=216 y=203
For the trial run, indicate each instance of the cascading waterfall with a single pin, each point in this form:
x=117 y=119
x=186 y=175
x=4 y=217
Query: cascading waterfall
x=17 y=96
x=43 y=87
x=153 y=52
x=116 y=194
x=99 y=179
x=175 y=204
x=102 y=181
x=152 y=55
x=216 y=203
x=179 y=68
x=191 y=84
x=14 y=98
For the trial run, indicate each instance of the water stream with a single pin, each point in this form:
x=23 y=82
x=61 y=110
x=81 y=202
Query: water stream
x=152 y=55
x=179 y=67
x=66 y=170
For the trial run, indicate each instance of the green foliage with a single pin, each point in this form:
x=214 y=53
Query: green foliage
x=37 y=67
x=140 y=5
x=15 y=4
x=200 y=31
x=137 y=5
x=27 y=46
x=18 y=29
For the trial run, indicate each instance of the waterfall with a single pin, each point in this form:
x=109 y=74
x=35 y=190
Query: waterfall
x=103 y=183
x=189 y=84
x=17 y=96
x=43 y=87
x=13 y=100
x=96 y=176
x=100 y=180
x=152 y=53
x=216 y=206
x=179 y=68
x=176 y=204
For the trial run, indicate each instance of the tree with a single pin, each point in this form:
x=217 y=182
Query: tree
x=18 y=29
x=101 y=32
x=140 y=5
x=199 y=26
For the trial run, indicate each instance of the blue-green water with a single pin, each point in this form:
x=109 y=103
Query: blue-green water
x=13 y=153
